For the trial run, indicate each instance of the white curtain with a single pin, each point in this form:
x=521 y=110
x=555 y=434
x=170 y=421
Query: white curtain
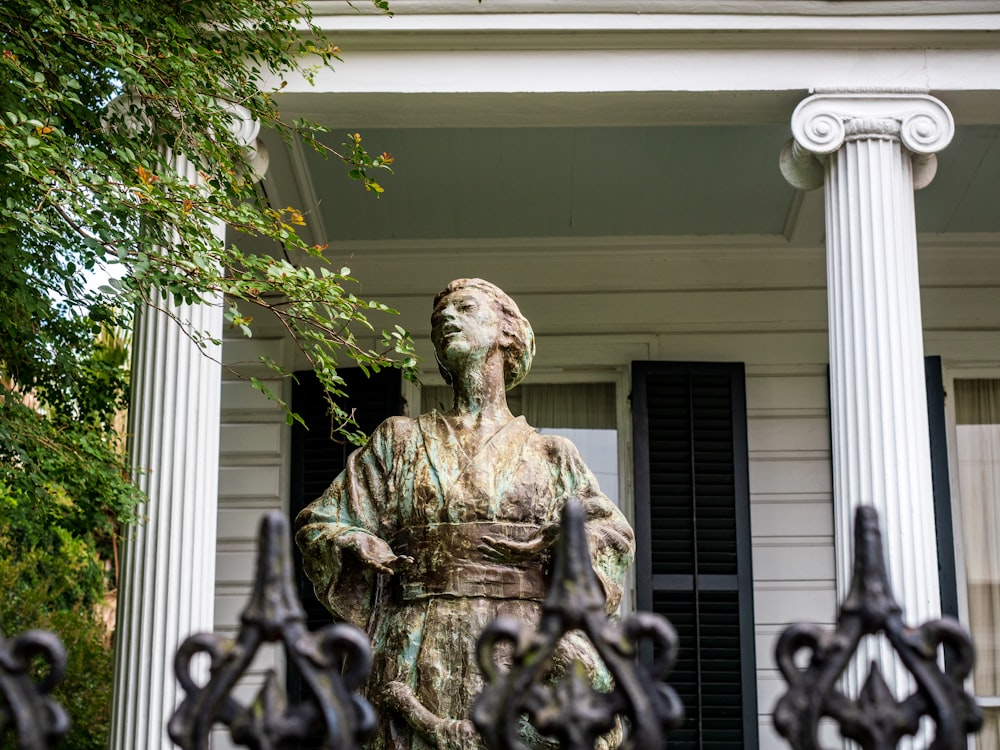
x=435 y=397
x=578 y=405
x=977 y=409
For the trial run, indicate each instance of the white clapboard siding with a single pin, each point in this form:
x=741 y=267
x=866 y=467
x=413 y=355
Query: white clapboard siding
x=791 y=512
x=252 y=475
x=253 y=479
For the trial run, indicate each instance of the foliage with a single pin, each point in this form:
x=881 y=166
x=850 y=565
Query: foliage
x=64 y=482
x=104 y=104
x=100 y=99
x=37 y=591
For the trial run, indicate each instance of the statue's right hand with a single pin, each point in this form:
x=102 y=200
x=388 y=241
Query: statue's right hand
x=374 y=552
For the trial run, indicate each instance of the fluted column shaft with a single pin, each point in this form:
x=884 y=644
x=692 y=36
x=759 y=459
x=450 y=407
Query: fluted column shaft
x=167 y=586
x=871 y=151
x=167 y=589
x=881 y=443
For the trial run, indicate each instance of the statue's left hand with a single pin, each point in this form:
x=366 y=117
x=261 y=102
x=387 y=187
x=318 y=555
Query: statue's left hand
x=510 y=550
x=374 y=552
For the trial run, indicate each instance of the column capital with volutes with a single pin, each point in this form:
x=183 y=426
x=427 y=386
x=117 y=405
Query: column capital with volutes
x=246 y=130
x=825 y=121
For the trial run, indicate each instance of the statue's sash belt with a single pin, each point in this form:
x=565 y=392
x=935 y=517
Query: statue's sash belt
x=449 y=560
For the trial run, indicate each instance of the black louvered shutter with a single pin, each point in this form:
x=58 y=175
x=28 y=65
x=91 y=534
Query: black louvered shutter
x=941 y=482
x=317 y=460
x=693 y=537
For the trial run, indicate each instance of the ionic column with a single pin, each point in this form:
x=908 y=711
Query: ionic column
x=871 y=151
x=167 y=586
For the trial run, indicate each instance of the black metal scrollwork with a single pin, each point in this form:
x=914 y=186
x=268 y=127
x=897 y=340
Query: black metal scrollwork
x=571 y=710
x=25 y=706
x=334 y=663
x=876 y=719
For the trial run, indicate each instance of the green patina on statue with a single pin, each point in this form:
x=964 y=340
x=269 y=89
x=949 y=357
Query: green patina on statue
x=444 y=522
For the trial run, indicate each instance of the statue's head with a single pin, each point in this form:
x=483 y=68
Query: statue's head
x=516 y=339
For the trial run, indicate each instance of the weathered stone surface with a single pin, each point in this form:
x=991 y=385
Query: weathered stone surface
x=442 y=523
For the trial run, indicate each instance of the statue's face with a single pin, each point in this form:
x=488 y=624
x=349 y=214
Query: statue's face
x=465 y=325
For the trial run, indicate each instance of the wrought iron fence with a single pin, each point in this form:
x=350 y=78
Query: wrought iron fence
x=335 y=660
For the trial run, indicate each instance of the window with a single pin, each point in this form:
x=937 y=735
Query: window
x=693 y=535
x=977 y=431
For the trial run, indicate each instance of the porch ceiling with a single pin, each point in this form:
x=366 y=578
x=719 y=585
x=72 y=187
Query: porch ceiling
x=455 y=183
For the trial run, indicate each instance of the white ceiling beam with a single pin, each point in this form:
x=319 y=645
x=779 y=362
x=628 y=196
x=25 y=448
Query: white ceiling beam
x=497 y=87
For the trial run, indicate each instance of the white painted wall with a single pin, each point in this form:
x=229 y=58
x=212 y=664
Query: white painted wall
x=253 y=479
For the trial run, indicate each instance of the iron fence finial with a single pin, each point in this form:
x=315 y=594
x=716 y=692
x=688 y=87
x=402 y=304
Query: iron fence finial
x=26 y=708
x=876 y=720
x=334 y=661
x=568 y=708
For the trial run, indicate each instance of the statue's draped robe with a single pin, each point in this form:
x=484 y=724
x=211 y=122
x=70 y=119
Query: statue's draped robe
x=415 y=487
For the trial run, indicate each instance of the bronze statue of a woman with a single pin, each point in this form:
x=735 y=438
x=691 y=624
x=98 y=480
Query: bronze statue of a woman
x=442 y=523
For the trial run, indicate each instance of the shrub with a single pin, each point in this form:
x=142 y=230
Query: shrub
x=39 y=589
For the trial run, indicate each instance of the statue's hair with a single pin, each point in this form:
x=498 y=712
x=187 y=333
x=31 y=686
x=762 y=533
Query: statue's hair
x=520 y=350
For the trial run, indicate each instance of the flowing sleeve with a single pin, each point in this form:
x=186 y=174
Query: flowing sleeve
x=609 y=535
x=355 y=503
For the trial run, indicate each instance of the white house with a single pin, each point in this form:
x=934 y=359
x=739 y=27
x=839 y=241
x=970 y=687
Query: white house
x=756 y=353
